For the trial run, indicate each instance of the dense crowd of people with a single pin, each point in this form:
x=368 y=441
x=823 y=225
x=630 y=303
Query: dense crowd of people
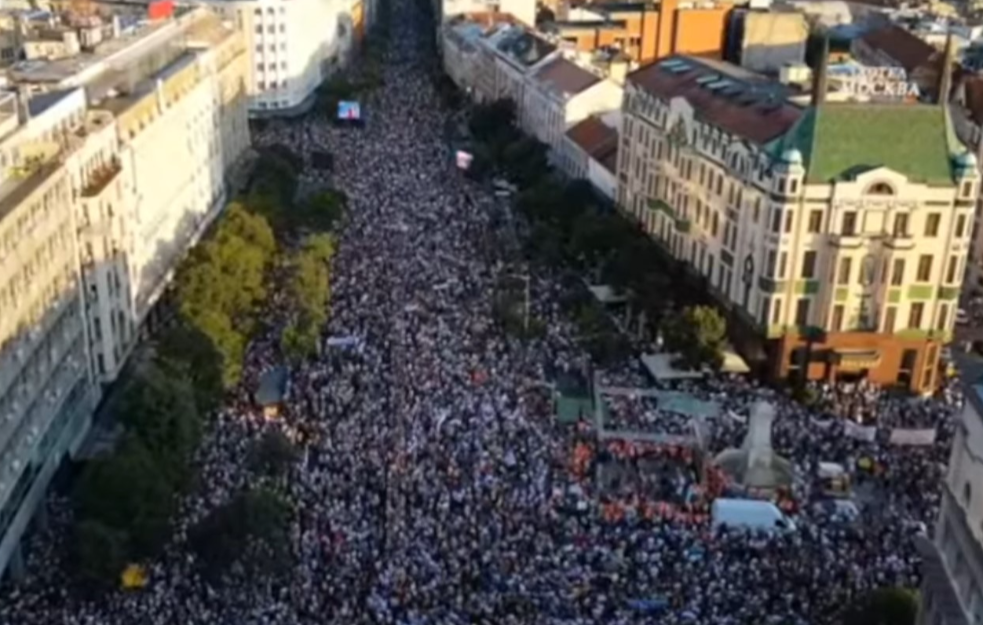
x=436 y=488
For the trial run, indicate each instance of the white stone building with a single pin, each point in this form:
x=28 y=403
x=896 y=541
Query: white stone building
x=294 y=46
x=559 y=94
x=589 y=151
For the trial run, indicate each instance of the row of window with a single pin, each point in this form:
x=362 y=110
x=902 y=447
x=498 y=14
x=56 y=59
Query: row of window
x=868 y=275
x=271 y=29
x=849 y=224
x=863 y=318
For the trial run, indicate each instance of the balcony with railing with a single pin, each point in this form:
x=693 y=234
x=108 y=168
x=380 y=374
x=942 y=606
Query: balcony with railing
x=101 y=179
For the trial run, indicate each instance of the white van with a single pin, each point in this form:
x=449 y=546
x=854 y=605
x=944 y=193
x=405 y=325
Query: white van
x=750 y=514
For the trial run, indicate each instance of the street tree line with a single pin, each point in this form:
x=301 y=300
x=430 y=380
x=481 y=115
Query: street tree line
x=124 y=501
x=568 y=226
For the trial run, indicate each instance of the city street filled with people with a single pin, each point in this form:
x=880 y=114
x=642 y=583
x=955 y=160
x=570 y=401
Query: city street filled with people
x=436 y=486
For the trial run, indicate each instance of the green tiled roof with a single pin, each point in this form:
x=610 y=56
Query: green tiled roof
x=839 y=141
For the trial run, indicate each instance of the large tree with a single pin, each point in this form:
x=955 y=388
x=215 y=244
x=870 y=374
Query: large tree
x=128 y=491
x=884 y=606
x=186 y=350
x=698 y=336
x=223 y=282
x=99 y=552
x=158 y=407
x=251 y=530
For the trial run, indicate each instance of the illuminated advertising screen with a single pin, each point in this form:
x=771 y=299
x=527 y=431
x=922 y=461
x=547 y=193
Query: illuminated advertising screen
x=349 y=111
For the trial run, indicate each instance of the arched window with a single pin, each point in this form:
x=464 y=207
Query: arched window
x=880 y=188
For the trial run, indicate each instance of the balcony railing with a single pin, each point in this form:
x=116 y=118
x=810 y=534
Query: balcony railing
x=101 y=179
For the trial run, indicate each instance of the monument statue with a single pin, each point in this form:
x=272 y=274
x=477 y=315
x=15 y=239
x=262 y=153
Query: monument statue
x=755 y=464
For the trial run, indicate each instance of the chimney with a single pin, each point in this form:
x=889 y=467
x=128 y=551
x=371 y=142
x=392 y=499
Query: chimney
x=945 y=75
x=819 y=83
x=618 y=71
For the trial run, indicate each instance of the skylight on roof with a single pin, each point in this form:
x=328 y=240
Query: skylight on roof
x=681 y=68
x=669 y=64
x=702 y=80
x=720 y=84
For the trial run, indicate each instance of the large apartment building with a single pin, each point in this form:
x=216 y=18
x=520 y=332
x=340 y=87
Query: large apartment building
x=293 y=46
x=645 y=31
x=837 y=232
x=104 y=185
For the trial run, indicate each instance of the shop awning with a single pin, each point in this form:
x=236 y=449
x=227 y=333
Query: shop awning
x=857 y=358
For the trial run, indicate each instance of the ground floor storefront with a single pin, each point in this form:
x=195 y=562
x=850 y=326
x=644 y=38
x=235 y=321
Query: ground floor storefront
x=885 y=359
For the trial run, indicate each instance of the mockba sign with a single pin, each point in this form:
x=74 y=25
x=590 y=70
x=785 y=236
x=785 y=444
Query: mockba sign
x=884 y=82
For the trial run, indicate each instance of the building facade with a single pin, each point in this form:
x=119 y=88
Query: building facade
x=104 y=187
x=839 y=240
x=645 y=31
x=294 y=46
x=47 y=388
x=558 y=95
x=952 y=587
x=589 y=151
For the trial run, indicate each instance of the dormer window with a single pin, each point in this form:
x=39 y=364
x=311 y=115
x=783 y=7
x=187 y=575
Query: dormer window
x=880 y=188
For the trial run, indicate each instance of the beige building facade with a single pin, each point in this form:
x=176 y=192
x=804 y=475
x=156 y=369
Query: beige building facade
x=839 y=239
x=104 y=188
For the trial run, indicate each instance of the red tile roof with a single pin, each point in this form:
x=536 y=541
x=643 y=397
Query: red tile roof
x=757 y=112
x=565 y=77
x=593 y=136
x=910 y=51
x=609 y=160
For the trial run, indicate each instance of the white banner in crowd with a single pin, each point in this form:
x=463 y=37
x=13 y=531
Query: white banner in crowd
x=913 y=437
x=464 y=159
x=859 y=432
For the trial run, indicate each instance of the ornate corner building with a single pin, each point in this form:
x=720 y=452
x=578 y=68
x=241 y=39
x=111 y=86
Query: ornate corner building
x=836 y=233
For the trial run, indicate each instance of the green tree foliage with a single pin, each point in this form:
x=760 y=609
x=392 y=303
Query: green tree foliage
x=275 y=177
x=222 y=283
x=272 y=453
x=319 y=213
x=309 y=291
x=158 y=408
x=698 y=336
x=884 y=606
x=189 y=352
x=526 y=161
x=128 y=492
x=251 y=530
x=99 y=552
x=287 y=154
x=492 y=119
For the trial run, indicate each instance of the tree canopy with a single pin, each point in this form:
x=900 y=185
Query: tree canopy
x=884 y=606
x=127 y=492
x=222 y=283
x=252 y=530
x=698 y=336
x=309 y=290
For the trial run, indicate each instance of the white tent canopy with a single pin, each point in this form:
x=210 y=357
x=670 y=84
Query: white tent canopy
x=606 y=294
